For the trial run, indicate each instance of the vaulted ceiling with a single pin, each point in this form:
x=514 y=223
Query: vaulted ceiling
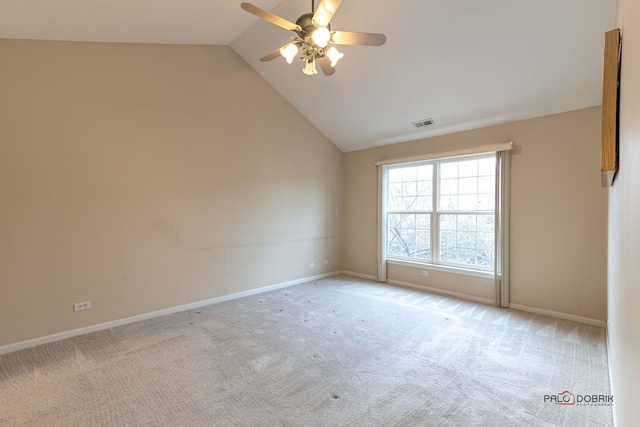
x=463 y=63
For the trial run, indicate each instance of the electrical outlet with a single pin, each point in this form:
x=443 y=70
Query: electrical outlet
x=312 y=265
x=424 y=273
x=326 y=262
x=81 y=305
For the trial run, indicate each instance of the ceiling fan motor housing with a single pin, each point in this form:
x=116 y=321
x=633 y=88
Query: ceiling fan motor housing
x=306 y=23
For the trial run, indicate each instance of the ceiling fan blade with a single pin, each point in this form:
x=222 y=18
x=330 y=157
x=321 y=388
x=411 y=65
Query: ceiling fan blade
x=270 y=17
x=271 y=56
x=325 y=66
x=325 y=12
x=362 y=39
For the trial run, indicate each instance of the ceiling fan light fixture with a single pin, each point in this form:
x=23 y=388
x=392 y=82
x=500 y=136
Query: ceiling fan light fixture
x=289 y=51
x=321 y=36
x=334 y=55
x=310 y=67
x=314 y=37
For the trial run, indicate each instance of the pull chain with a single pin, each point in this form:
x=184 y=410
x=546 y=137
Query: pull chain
x=313 y=7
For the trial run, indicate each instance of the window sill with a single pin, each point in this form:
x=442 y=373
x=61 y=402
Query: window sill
x=443 y=268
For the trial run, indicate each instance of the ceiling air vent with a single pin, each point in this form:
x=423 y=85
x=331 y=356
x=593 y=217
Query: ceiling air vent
x=422 y=123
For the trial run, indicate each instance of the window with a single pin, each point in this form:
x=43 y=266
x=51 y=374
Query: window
x=449 y=212
x=442 y=211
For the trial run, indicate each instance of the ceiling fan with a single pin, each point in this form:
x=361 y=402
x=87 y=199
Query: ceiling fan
x=314 y=37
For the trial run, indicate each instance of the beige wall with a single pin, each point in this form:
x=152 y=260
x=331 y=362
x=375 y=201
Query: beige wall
x=558 y=217
x=141 y=177
x=624 y=231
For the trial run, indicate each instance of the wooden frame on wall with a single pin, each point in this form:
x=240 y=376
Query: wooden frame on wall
x=610 y=103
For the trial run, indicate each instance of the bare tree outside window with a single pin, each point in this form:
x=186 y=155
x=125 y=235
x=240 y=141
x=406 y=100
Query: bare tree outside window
x=410 y=209
x=467 y=211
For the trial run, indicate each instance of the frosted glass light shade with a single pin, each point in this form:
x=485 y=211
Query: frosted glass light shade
x=321 y=36
x=288 y=52
x=334 y=55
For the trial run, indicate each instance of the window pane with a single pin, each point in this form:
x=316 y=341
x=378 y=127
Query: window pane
x=449 y=186
x=410 y=188
x=395 y=199
x=486 y=223
x=424 y=188
x=466 y=256
x=467 y=185
x=487 y=184
x=447 y=239
x=448 y=222
x=467 y=222
x=448 y=203
x=425 y=172
x=448 y=254
x=395 y=175
x=468 y=168
x=486 y=202
x=467 y=239
x=409 y=203
x=409 y=235
x=487 y=166
x=409 y=173
x=423 y=237
x=423 y=203
x=423 y=221
x=423 y=251
x=467 y=202
x=449 y=170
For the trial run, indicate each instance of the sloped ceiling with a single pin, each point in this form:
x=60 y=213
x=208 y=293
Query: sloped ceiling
x=464 y=63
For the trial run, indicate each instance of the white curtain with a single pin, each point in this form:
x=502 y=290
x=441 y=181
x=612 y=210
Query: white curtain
x=382 y=227
x=501 y=264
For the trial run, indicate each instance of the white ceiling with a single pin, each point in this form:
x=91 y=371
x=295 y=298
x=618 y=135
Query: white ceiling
x=464 y=63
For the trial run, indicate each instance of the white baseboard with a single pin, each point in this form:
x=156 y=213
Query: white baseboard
x=558 y=315
x=422 y=288
x=359 y=275
x=458 y=295
x=10 y=348
x=482 y=300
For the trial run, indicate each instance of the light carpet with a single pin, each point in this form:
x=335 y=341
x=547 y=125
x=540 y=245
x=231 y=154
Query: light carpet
x=335 y=352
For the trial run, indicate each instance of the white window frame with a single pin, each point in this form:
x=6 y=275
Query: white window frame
x=500 y=274
x=434 y=217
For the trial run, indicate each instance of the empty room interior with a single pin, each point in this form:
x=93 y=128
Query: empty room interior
x=210 y=215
